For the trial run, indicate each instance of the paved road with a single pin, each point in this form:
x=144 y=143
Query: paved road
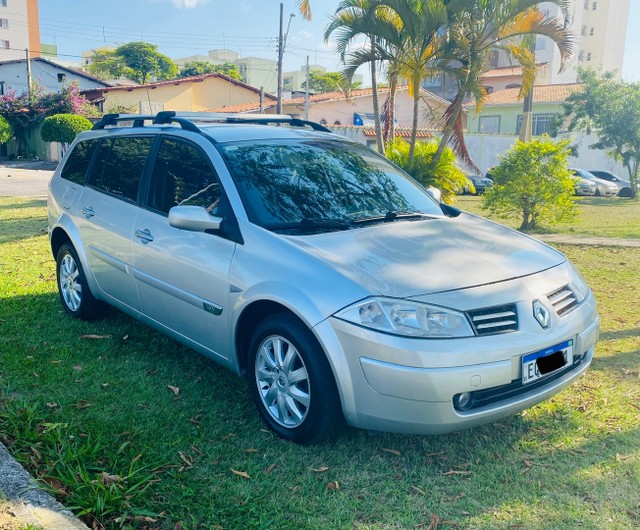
x=21 y=182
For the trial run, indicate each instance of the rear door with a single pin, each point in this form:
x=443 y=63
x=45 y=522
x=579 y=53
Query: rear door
x=107 y=211
x=183 y=276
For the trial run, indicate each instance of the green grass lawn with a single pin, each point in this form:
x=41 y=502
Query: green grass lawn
x=134 y=430
x=598 y=216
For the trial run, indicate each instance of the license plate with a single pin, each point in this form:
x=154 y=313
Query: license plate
x=542 y=363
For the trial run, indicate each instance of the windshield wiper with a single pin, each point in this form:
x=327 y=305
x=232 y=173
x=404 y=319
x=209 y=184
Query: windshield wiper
x=394 y=215
x=311 y=224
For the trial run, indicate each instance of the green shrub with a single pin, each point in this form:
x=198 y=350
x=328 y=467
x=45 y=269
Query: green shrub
x=532 y=183
x=6 y=132
x=63 y=128
x=445 y=175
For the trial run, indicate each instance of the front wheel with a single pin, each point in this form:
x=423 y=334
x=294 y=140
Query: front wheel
x=75 y=295
x=291 y=381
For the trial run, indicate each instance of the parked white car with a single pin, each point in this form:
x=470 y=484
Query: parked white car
x=604 y=188
x=311 y=265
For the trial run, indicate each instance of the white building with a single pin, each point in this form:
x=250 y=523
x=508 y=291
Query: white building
x=19 y=29
x=599 y=28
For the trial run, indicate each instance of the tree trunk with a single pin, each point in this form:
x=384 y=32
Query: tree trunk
x=414 y=124
x=376 y=104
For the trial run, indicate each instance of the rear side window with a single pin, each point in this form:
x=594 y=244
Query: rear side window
x=76 y=166
x=119 y=165
x=183 y=175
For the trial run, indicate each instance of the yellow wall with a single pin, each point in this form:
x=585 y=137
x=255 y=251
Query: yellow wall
x=33 y=23
x=212 y=92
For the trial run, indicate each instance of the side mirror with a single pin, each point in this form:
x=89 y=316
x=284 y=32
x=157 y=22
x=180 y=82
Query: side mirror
x=435 y=193
x=193 y=218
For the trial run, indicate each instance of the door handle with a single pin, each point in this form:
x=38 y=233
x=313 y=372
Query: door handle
x=144 y=235
x=87 y=211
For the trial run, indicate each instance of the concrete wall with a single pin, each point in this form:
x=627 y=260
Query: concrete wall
x=485 y=150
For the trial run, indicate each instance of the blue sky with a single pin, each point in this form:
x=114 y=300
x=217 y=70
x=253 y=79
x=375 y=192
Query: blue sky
x=189 y=27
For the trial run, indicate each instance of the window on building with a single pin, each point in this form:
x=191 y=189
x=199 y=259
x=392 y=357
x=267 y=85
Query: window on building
x=4 y=23
x=489 y=124
x=589 y=56
x=513 y=85
x=586 y=4
x=591 y=31
x=62 y=78
x=494 y=58
x=581 y=56
x=594 y=6
x=1 y=88
x=3 y=3
x=584 y=30
x=337 y=123
x=541 y=123
x=5 y=44
x=488 y=89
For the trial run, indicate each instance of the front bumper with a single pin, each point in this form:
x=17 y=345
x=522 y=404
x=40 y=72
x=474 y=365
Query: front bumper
x=397 y=384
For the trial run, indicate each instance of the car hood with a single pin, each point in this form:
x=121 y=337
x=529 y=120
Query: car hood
x=414 y=258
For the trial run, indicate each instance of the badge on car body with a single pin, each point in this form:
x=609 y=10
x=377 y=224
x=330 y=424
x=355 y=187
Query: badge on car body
x=541 y=314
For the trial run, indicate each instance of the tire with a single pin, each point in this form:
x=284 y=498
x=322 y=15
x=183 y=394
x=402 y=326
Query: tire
x=625 y=192
x=75 y=295
x=597 y=193
x=291 y=381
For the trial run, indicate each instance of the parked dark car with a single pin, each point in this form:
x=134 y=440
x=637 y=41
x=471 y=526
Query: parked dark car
x=624 y=186
x=480 y=183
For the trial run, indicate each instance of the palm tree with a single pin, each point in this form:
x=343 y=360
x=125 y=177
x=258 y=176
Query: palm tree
x=477 y=28
x=304 y=6
x=352 y=19
x=405 y=34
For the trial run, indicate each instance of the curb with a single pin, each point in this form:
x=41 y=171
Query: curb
x=28 y=502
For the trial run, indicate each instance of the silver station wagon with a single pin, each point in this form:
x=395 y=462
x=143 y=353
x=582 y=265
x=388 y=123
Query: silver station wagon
x=314 y=267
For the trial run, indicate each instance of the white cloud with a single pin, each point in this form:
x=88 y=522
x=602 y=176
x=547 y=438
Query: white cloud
x=188 y=4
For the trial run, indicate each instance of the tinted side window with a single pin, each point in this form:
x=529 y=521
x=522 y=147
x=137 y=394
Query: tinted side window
x=183 y=175
x=76 y=166
x=119 y=165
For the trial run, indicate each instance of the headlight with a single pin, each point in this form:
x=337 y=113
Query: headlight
x=578 y=285
x=407 y=318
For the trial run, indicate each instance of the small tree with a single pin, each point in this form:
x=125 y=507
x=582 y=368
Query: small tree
x=139 y=61
x=203 y=67
x=532 y=183
x=612 y=110
x=322 y=82
x=63 y=128
x=445 y=175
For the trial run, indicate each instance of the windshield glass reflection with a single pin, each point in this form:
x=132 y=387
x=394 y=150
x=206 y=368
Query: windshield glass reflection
x=321 y=184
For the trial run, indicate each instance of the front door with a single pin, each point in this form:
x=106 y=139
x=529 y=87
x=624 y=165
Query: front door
x=183 y=276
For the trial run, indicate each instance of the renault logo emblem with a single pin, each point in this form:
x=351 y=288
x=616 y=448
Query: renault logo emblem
x=541 y=313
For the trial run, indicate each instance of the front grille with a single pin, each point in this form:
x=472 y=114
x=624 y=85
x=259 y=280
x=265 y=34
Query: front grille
x=494 y=320
x=563 y=300
x=482 y=398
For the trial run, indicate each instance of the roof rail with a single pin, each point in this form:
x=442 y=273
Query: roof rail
x=186 y=119
x=113 y=119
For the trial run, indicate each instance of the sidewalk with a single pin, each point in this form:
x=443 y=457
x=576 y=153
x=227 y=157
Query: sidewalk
x=22 y=503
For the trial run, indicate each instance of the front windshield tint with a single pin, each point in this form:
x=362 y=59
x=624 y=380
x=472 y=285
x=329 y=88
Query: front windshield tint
x=287 y=182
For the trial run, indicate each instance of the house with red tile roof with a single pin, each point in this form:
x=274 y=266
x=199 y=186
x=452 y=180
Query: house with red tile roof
x=502 y=110
x=339 y=110
x=194 y=94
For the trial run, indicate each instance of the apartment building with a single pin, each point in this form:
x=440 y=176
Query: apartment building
x=599 y=28
x=19 y=29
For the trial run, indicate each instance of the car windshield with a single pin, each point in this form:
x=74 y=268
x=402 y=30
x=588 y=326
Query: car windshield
x=322 y=185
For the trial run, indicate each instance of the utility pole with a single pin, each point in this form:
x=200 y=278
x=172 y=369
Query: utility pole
x=28 y=74
x=306 y=92
x=280 y=55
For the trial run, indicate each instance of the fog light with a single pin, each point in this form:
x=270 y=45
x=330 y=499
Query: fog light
x=463 y=401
